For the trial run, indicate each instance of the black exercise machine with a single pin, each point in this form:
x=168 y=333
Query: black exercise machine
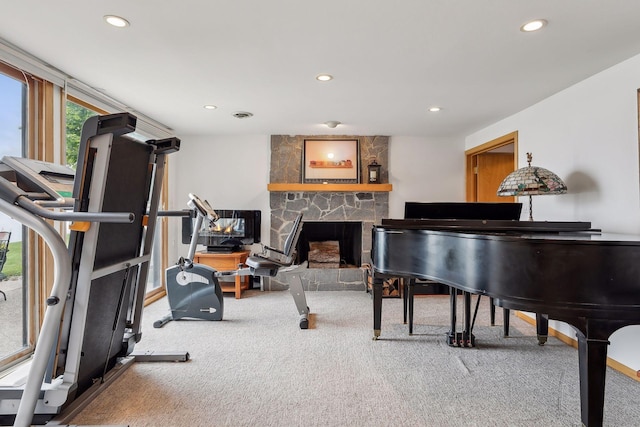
x=272 y=261
x=93 y=315
x=193 y=290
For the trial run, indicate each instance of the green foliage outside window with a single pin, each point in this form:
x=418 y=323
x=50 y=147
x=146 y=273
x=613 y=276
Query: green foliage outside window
x=13 y=265
x=76 y=116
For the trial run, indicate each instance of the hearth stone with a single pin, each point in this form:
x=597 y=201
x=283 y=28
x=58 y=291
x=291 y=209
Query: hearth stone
x=323 y=279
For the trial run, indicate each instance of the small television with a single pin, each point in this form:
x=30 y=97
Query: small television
x=229 y=233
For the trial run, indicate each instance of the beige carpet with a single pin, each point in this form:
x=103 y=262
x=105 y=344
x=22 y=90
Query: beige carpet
x=257 y=368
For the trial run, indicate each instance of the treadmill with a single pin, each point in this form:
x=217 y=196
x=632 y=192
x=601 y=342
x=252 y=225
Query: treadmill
x=93 y=314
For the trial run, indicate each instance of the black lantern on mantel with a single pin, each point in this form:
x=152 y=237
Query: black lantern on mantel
x=373 y=172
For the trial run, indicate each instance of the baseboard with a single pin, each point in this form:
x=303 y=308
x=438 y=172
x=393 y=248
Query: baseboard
x=574 y=343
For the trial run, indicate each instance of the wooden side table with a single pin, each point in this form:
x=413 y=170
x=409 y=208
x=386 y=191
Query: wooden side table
x=225 y=262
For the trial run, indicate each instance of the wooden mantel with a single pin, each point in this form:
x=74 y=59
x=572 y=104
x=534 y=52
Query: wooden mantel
x=366 y=188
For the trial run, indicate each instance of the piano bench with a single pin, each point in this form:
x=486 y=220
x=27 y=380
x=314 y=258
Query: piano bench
x=414 y=287
x=419 y=287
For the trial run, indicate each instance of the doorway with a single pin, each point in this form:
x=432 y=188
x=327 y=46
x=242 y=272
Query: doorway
x=487 y=165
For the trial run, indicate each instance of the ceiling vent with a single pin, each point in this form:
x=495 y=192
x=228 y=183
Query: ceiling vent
x=242 y=115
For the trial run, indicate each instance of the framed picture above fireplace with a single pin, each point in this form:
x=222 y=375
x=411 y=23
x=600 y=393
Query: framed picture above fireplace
x=331 y=161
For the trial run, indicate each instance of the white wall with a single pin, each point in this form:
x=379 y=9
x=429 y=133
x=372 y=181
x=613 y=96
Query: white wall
x=588 y=135
x=425 y=170
x=231 y=172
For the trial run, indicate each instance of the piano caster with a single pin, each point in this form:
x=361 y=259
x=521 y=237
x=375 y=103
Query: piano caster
x=376 y=334
x=542 y=339
x=461 y=339
x=471 y=342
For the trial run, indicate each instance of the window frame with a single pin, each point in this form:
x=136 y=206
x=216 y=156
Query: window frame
x=31 y=271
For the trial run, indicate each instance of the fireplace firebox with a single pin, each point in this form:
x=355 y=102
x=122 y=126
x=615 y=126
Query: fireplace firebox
x=348 y=235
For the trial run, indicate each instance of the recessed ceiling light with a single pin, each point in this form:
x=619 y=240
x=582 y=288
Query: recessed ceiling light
x=534 y=25
x=210 y=107
x=324 y=77
x=435 y=109
x=116 y=21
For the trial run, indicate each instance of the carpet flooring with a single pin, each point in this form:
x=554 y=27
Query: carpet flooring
x=257 y=368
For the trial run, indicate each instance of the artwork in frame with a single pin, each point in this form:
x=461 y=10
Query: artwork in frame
x=331 y=161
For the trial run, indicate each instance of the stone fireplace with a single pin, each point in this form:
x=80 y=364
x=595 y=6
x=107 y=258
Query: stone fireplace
x=340 y=209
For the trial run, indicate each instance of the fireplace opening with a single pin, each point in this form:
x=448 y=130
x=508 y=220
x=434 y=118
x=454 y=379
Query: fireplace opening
x=329 y=244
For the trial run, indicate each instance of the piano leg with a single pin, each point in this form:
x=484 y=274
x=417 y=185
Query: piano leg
x=505 y=321
x=411 y=290
x=592 y=355
x=405 y=298
x=593 y=339
x=452 y=336
x=542 y=328
x=377 y=306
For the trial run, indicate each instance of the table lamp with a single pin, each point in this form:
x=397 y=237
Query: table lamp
x=531 y=181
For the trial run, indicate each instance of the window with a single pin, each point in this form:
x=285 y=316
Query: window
x=13 y=247
x=41 y=117
x=77 y=114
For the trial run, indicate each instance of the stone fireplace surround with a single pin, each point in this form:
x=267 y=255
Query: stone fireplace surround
x=367 y=207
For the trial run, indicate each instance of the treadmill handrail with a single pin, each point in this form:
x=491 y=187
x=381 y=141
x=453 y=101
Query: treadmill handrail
x=36 y=209
x=62 y=203
x=53 y=313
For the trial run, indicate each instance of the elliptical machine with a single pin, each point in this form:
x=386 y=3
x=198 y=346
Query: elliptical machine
x=193 y=290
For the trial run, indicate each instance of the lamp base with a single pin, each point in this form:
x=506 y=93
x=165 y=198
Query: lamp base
x=530 y=208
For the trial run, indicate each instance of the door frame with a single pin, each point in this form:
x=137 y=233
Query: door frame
x=471 y=159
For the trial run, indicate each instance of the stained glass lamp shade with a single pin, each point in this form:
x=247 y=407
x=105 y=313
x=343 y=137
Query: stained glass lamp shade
x=531 y=181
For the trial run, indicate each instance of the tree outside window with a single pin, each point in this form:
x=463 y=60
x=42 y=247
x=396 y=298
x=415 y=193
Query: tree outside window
x=76 y=116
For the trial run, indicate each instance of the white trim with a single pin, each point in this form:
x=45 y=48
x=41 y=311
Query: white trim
x=145 y=125
x=14 y=56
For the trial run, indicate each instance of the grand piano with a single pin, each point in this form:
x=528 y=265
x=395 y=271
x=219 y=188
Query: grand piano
x=588 y=280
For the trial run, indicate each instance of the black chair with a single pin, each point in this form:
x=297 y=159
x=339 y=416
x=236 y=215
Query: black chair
x=272 y=261
x=5 y=237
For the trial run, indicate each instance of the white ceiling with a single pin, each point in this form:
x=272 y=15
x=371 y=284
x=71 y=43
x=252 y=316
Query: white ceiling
x=391 y=59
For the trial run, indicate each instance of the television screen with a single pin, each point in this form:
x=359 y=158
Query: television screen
x=233 y=229
x=224 y=228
